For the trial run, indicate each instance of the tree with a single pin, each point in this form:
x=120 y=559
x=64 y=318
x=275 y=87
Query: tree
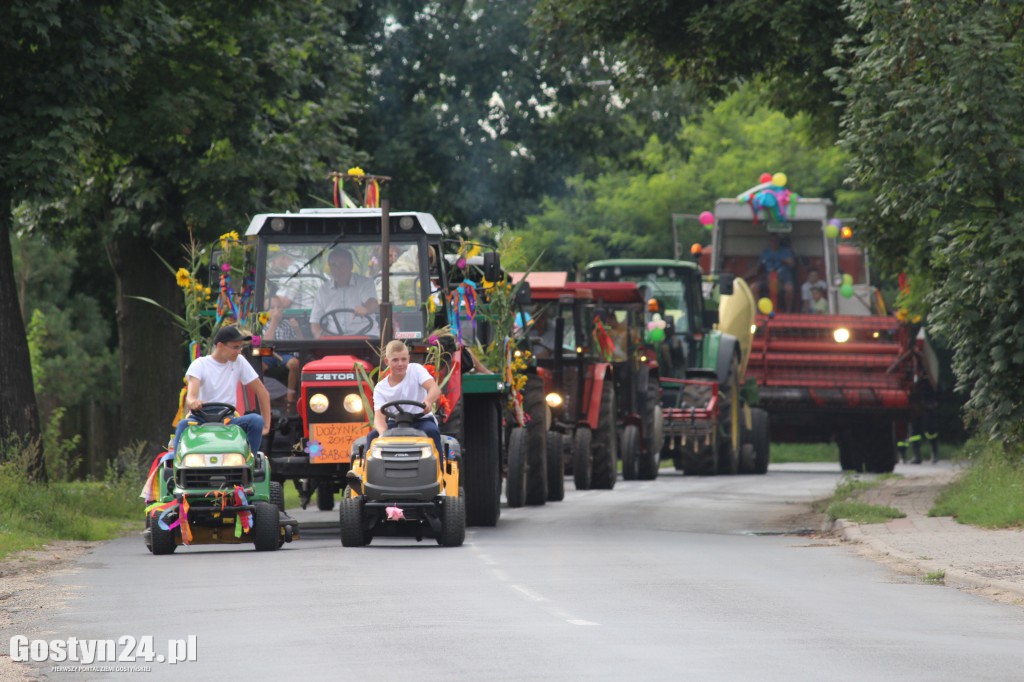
x=627 y=212
x=933 y=125
x=61 y=59
x=715 y=45
x=243 y=108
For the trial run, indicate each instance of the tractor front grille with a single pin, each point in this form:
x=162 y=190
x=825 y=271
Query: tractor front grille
x=213 y=477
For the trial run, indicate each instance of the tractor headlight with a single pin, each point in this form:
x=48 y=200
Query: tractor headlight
x=352 y=403
x=426 y=452
x=554 y=400
x=375 y=452
x=319 y=403
x=232 y=459
x=841 y=335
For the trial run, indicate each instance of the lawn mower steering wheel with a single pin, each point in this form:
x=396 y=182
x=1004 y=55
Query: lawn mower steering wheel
x=214 y=412
x=335 y=317
x=401 y=416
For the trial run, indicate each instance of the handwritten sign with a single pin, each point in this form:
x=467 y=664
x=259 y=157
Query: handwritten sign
x=336 y=441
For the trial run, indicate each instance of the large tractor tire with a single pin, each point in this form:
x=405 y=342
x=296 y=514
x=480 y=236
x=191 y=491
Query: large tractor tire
x=761 y=439
x=556 y=466
x=325 y=495
x=582 y=464
x=604 y=446
x=481 y=459
x=515 y=479
x=537 y=437
x=880 y=447
x=629 y=447
x=277 y=495
x=650 y=459
x=729 y=439
x=851 y=452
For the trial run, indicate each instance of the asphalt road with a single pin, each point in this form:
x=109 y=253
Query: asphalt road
x=675 y=579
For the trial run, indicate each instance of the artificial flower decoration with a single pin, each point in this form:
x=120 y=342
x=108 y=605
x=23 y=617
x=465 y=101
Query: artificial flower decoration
x=355 y=171
x=183 y=277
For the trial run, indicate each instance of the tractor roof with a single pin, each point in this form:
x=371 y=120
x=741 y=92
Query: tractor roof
x=549 y=286
x=642 y=262
x=333 y=221
x=610 y=292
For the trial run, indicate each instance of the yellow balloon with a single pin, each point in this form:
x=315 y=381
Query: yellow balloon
x=779 y=180
x=765 y=306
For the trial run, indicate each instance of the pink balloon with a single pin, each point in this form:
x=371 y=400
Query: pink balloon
x=706 y=218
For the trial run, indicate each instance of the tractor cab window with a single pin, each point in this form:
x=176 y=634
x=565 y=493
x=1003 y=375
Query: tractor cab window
x=299 y=281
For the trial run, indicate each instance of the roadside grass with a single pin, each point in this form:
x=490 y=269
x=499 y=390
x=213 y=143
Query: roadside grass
x=990 y=492
x=845 y=502
x=935 y=577
x=34 y=514
x=787 y=453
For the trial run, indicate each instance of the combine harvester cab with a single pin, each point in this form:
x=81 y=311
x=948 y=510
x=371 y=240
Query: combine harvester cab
x=702 y=353
x=311 y=442
x=847 y=375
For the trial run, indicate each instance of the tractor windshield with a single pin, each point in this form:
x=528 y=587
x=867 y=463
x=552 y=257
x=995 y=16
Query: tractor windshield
x=325 y=288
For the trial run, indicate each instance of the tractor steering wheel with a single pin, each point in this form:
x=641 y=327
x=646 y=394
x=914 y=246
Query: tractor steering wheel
x=401 y=416
x=335 y=317
x=213 y=412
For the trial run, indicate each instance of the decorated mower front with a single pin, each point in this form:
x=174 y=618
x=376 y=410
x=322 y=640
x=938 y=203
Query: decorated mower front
x=214 y=490
x=403 y=486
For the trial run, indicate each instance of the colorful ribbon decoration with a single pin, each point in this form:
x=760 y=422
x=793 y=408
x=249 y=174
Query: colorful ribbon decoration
x=603 y=340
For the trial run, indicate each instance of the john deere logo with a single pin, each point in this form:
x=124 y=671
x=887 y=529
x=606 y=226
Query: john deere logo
x=213 y=459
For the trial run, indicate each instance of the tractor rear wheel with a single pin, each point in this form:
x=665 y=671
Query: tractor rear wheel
x=536 y=430
x=729 y=442
x=650 y=460
x=277 y=495
x=163 y=541
x=515 y=480
x=453 y=521
x=481 y=459
x=761 y=439
x=628 y=451
x=350 y=516
x=604 y=445
x=556 y=467
x=581 y=462
x=325 y=495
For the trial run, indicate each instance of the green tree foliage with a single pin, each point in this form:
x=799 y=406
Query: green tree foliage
x=627 y=212
x=474 y=116
x=713 y=44
x=61 y=59
x=934 y=126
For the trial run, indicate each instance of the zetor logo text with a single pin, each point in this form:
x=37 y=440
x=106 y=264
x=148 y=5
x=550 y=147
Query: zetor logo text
x=125 y=649
x=334 y=376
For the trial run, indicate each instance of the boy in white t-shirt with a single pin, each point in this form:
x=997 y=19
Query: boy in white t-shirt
x=406 y=381
x=214 y=378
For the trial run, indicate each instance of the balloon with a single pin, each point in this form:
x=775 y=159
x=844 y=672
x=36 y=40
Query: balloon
x=765 y=306
x=836 y=221
x=779 y=179
x=656 y=317
x=847 y=279
x=696 y=249
x=768 y=199
x=766 y=177
x=707 y=218
x=846 y=291
x=656 y=335
x=831 y=231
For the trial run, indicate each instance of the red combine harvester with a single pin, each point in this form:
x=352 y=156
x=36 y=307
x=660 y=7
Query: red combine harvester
x=842 y=370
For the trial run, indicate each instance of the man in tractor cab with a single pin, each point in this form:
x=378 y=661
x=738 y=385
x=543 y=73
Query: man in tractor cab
x=353 y=294
x=405 y=381
x=214 y=378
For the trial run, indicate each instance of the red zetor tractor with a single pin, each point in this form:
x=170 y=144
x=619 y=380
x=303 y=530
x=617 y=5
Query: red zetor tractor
x=842 y=370
x=619 y=326
x=321 y=274
x=579 y=383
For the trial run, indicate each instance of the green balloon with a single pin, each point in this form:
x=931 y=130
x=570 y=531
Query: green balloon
x=831 y=231
x=846 y=291
x=656 y=335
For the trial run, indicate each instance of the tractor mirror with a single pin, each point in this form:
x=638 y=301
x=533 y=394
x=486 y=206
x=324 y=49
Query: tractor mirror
x=523 y=294
x=725 y=284
x=492 y=266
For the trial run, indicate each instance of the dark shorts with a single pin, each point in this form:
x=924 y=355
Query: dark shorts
x=279 y=360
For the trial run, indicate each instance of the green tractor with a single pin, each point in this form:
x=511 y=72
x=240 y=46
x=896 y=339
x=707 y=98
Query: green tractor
x=215 y=490
x=701 y=338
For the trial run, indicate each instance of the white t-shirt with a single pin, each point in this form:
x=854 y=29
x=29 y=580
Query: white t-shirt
x=409 y=388
x=219 y=380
